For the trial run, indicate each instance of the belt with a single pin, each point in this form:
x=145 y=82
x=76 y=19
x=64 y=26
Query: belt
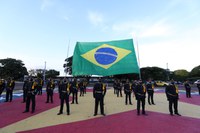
x=98 y=92
x=140 y=94
x=64 y=91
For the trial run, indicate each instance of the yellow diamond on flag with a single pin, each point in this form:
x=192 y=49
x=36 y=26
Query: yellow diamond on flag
x=105 y=55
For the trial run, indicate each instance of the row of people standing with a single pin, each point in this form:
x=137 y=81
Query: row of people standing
x=139 y=90
x=9 y=85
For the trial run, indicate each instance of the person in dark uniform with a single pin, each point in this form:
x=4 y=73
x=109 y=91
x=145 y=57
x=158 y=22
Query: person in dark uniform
x=115 y=87
x=2 y=86
x=64 y=90
x=127 y=91
x=74 y=90
x=140 y=95
x=85 y=85
x=198 y=86
x=9 y=90
x=31 y=91
x=172 y=96
x=119 y=88
x=98 y=94
x=187 y=89
x=50 y=88
x=40 y=85
x=25 y=89
x=81 y=86
x=150 y=92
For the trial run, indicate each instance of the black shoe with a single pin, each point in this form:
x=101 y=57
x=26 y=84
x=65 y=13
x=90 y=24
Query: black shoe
x=103 y=114
x=178 y=114
x=32 y=111
x=68 y=113
x=171 y=114
x=5 y=101
x=153 y=103
x=72 y=103
x=47 y=102
x=131 y=104
x=138 y=113
x=149 y=103
x=25 y=111
x=59 y=113
x=95 y=114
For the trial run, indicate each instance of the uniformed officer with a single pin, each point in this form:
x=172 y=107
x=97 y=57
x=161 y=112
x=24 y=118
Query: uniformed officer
x=81 y=86
x=64 y=90
x=50 y=88
x=172 y=96
x=115 y=86
x=9 y=90
x=140 y=95
x=187 y=89
x=198 y=86
x=25 y=89
x=127 y=91
x=74 y=90
x=85 y=85
x=31 y=91
x=119 y=88
x=40 y=85
x=2 y=86
x=98 y=94
x=150 y=91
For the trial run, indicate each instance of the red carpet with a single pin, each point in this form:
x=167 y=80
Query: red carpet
x=194 y=100
x=128 y=122
x=12 y=111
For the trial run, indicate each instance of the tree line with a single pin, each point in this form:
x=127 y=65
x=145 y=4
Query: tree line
x=16 y=69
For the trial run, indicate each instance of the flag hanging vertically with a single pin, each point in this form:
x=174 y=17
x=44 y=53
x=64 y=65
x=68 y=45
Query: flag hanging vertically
x=104 y=58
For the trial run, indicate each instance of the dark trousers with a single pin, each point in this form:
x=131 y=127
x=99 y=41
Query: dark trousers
x=139 y=101
x=150 y=98
x=50 y=95
x=75 y=97
x=81 y=91
x=119 y=91
x=128 y=98
x=65 y=98
x=115 y=90
x=199 y=90
x=173 y=102
x=9 y=95
x=99 y=99
x=39 y=90
x=30 y=98
x=188 y=92
x=24 y=95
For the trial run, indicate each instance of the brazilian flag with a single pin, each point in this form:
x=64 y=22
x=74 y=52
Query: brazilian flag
x=104 y=58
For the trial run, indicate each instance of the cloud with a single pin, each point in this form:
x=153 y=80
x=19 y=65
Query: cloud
x=45 y=4
x=95 y=18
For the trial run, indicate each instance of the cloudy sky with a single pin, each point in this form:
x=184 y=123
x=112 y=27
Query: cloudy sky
x=39 y=31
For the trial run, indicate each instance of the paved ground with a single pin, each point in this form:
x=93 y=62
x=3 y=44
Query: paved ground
x=120 y=118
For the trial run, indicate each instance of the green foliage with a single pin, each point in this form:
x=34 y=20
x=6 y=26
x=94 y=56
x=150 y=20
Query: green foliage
x=52 y=73
x=195 y=72
x=180 y=75
x=68 y=65
x=154 y=73
x=12 y=68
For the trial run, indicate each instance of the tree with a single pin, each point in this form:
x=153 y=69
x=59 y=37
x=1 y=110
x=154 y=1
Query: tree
x=68 y=65
x=12 y=68
x=195 y=72
x=52 y=73
x=154 y=73
x=180 y=75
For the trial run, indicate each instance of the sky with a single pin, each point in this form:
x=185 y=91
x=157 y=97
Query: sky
x=165 y=32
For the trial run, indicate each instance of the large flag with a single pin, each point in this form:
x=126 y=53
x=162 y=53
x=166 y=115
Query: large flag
x=104 y=58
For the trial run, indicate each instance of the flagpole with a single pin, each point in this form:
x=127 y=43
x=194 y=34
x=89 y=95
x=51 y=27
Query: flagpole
x=140 y=77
